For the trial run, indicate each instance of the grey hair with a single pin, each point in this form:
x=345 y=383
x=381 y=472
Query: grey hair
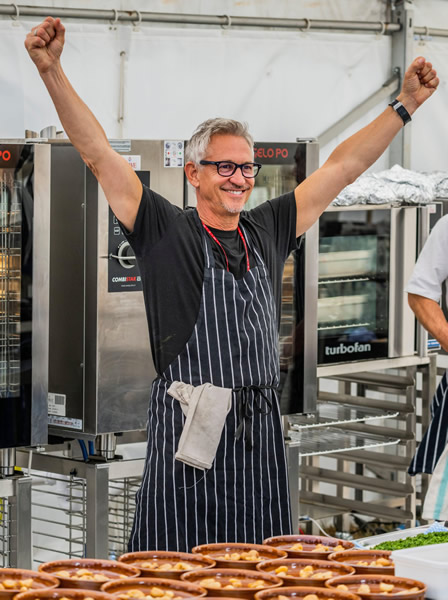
x=197 y=145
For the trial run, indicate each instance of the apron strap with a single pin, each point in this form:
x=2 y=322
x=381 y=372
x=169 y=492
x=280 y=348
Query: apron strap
x=208 y=252
x=262 y=404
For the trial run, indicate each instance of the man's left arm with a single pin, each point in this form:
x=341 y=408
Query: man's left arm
x=353 y=156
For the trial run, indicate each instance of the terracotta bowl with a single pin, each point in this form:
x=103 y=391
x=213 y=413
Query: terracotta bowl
x=295 y=566
x=163 y=560
x=294 y=593
x=310 y=545
x=219 y=552
x=69 y=593
x=181 y=589
x=353 y=583
x=111 y=569
x=40 y=581
x=223 y=576
x=355 y=557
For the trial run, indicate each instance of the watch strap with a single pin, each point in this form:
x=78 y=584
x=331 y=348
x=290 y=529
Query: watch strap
x=400 y=110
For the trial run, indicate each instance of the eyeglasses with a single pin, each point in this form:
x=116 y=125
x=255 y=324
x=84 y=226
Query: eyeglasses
x=226 y=168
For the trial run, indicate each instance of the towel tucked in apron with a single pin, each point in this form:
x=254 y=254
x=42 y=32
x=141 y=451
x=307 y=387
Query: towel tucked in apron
x=244 y=496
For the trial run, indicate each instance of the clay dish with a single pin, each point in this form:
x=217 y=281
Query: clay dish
x=297 y=571
x=310 y=545
x=354 y=557
x=181 y=589
x=353 y=583
x=108 y=569
x=67 y=593
x=226 y=554
x=39 y=581
x=248 y=579
x=296 y=593
x=163 y=559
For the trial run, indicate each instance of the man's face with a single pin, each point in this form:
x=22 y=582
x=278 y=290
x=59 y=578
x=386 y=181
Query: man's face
x=225 y=195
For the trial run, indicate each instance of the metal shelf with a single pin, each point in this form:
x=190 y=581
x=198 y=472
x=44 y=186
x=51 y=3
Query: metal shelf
x=323 y=281
x=333 y=414
x=345 y=326
x=325 y=440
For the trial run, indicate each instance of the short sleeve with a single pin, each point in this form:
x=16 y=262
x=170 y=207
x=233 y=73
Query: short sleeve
x=155 y=213
x=278 y=217
x=431 y=268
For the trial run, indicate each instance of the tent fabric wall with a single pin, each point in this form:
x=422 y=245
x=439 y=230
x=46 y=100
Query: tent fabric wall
x=284 y=84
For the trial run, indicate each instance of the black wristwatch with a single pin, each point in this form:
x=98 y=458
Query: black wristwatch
x=400 y=109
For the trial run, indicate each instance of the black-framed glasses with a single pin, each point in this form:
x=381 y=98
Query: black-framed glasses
x=226 y=168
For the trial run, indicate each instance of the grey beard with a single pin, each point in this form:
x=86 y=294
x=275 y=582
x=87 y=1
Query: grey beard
x=231 y=209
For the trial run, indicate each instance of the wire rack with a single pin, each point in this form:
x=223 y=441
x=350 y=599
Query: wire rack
x=121 y=513
x=5 y=532
x=59 y=516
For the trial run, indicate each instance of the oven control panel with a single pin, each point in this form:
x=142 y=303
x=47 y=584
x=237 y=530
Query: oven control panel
x=123 y=271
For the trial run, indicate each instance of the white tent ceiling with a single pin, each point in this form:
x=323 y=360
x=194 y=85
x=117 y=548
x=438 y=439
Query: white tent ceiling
x=286 y=84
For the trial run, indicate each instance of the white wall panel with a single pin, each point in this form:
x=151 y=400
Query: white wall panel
x=430 y=126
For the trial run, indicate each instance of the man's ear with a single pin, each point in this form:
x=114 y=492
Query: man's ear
x=192 y=173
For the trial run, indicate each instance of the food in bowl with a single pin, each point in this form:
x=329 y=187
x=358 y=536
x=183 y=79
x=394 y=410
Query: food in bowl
x=305 y=593
x=84 y=574
x=366 y=561
x=164 y=563
x=16 y=584
x=230 y=582
x=88 y=572
x=302 y=571
x=13 y=581
x=308 y=546
x=373 y=587
x=422 y=539
x=235 y=555
x=149 y=588
x=63 y=594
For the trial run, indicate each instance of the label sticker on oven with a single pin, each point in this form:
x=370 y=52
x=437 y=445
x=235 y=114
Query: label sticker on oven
x=65 y=422
x=173 y=153
x=135 y=160
x=56 y=404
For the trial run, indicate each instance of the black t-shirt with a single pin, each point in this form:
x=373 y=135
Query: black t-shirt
x=167 y=242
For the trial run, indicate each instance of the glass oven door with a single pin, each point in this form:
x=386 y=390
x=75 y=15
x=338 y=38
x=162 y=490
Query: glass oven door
x=353 y=300
x=20 y=425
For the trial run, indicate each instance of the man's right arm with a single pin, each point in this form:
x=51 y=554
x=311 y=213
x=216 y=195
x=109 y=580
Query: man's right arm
x=431 y=316
x=121 y=185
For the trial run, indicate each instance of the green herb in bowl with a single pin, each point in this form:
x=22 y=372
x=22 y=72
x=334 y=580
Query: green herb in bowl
x=422 y=539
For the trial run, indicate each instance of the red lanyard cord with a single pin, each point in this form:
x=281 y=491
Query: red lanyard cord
x=215 y=239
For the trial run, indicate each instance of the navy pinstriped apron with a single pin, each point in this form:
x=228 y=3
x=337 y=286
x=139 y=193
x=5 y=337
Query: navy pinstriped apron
x=244 y=497
x=436 y=436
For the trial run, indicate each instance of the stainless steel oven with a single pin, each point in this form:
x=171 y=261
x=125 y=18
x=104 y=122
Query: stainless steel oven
x=100 y=362
x=366 y=256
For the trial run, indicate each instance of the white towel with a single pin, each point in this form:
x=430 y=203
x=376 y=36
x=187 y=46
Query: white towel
x=205 y=407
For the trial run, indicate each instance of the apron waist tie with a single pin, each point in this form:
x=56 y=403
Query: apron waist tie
x=245 y=412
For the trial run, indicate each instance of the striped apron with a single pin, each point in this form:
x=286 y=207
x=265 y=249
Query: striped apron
x=436 y=436
x=244 y=497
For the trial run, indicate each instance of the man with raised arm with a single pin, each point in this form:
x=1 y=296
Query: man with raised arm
x=212 y=286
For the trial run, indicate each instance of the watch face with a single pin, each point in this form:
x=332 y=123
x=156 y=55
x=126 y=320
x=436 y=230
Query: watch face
x=400 y=109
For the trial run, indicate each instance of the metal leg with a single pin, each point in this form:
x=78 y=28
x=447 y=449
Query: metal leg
x=97 y=509
x=20 y=533
x=292 y=455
